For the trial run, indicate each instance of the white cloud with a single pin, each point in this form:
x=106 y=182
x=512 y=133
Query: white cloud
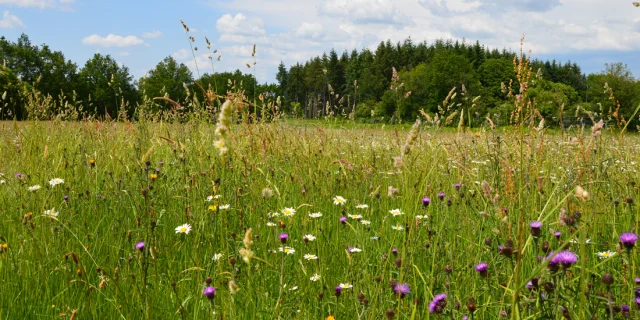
x=310 y=30
x=181 y=54
x=10 y=21
x=636 y=25
x=240 y=25
x=42 y=4
x=123 y=54
x=112 y=40
x=152 y=35
x=364 y=11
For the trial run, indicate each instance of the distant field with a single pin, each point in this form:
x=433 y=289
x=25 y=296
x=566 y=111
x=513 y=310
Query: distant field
x=314 y=220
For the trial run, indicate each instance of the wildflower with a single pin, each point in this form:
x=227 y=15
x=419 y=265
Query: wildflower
x=288 y=212
x=402 y=289
x=225 y=207
x=246 y=254
x=287 y=250
x=394 y=251
x=419 y=217
x=65 y=198
x=338 y=200
x=209 y=292
x=267 y=193
x=315 y=277
x=482 y=269
x=271 y=224
x=343 y=220
x=426 y=201
x=396 y=212
x=34 y=188
x=283 y=238
x=153 y=176
x=315 y=215
x=217 y=256
x=557 y=234
x=354 y=249
x=140 y=246
x=55 y=181
x=3 y=181
x=565 y=258
x=310 y=257
x=213 y=207
x=51 y=213
x=581 y=193
x=441 y=195
x=308 y=238
x=233 y=287
x=338 y=291
x=438 y=304
x=457 y=186
x=535 y=228
x=628 y=239
x=185 y=228
x=355 y=216
x=362 y=206
x=606 y=254
x=365 y=222
x=345 y=286
x=397 y=227
x=607 y=279
x=392 y=192
x=92 y=162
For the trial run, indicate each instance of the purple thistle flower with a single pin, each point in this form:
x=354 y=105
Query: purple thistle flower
x=402 y=289
x=438 y=304
x=449 y=201
x=628 y=239
x=283 y=238
x=66 y=198
x=140 y=246
x=343 y=220
x=209 y=292
x=338 y=291
x=394 y=251
x=637 y=280
x=529 y=285
x=441 y=195
x=19 y=175
x=535 y=228
x=638 y=302
x=457 y=186
x=426 y=201
x=482 y=269
x=565 y=258
x=557 y=235
x=624 y=308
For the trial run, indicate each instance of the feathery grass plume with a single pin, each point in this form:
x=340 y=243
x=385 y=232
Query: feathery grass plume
x=596 y=130
x=222 y=127
x=246 y=254
x=233 y=287
x=486 y=190
x=411 y=138
x=247 y=241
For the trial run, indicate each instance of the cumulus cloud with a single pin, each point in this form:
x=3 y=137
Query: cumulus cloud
x=364 y=11
x=10 y=21
x=310 y=30
x=42 y=4
x=240 y=25
x=112 y=40
x=152 y=35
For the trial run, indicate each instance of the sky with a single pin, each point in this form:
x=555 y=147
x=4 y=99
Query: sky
x=140 y=33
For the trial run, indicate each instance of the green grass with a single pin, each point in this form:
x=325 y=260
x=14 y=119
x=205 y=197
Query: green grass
x=86 y=260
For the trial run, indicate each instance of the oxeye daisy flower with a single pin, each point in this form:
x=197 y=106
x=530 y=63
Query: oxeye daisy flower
x=315 y=277
x=56 y=181
x=338 y=200
x=354 y=249
x=225 y=206
x=397 y=227
x=396 y=212
x=438 y=304
x=628 y=239
x=345 y=286
x=308 y=238
x=362 y=206
x=420 y=217
x=315 y=215
x=34 y=188
x=51 y=213
x=355 y=216
x=287 y=250
x=184 y=229
x=273 y=214
x=310 y=256
x=606 y=254
x=217 y=256
x=288 y=212
x=210 y=198
x=271 y=224
x=365 y=222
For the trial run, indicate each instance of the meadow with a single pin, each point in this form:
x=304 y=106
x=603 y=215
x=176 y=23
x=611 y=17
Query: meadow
x=299 y=220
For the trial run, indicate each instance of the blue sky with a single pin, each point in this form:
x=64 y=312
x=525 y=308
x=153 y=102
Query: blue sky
x=140 y=33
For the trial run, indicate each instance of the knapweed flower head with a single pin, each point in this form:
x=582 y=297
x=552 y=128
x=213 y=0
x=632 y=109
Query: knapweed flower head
x=457 y=186
x=628 y=239
x=564 y=258
x=343 y=220
x=396 y=212
x=441 y=195
x=283 y=237
x=140 y=246
x=338 y=200
x=426 y=201
x=438 y=303
x=482 y=268
x=209 y=292
x=56 y=181
x=51 y=213
x=338 y=290
x=184 y=229
x=402 y=289
x=288 y=212
x=536 y=230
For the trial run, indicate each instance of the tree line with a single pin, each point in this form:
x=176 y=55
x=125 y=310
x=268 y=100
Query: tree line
x=394 y=82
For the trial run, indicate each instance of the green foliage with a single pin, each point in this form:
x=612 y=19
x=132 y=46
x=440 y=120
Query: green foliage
x=167 y=78
x=626 y=90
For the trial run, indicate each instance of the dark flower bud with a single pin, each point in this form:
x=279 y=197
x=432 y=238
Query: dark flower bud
x=607 y=279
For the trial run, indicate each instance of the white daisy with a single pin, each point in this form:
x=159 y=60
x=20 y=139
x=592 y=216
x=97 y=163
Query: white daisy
x=397 y=227
x=225 y=207
x=185 y=228
x=3 y=181
x=294 y=288
x=354 y=249
x=421 y=217
x=309 y=237
x=288 y=212
x=375 y=238
x=338 y=200
x=310 y=257
x=273 y=214
x=606 y=254
x=396 y=212
x=345 y=286
x=315 y=277
x=217 y=256
x=271 y=224
x=365 y=222
x=315 y=215
x=217 y=196
x=56 y=181
x=287 y=250
x=355 y=216
x=51 y=213
x=362 y=206
x=34 y=188
x=209 y=198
